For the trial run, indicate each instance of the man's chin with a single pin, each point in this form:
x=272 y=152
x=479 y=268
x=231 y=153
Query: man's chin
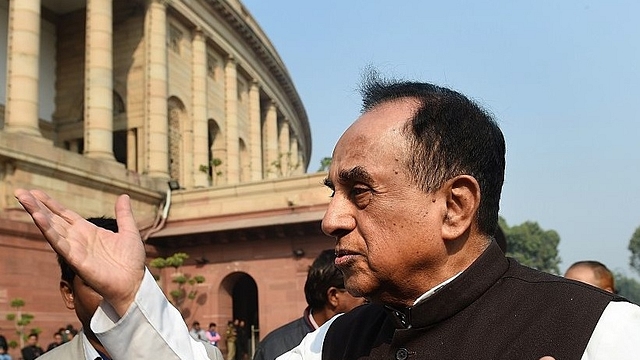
x=356 y=286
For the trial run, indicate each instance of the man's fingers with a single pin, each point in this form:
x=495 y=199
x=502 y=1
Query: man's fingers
x=124 y=215
x=35 y=208
x=55 y=207
x=52 y=227
x=27 y=200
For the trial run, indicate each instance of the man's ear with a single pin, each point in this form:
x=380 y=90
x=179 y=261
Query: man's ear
x=332 y=297
x=66 y=290
x=463 y=199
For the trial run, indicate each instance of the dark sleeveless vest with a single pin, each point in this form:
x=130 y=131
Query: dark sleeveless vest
x=496 y=309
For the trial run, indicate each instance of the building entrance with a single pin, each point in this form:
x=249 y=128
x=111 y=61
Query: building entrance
x=244 y=300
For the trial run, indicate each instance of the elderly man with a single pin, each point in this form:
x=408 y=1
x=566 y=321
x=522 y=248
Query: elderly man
x=417 y=181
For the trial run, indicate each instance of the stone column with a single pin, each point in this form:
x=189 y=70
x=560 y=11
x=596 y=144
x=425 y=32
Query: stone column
x=132 y=149
x=255 y=131
x=283 y=148
x=98 y=81
x=199 y=108
x=157 y=122
x=296 y=166
x=23 y=56
x=231 y=122
x=270 y=140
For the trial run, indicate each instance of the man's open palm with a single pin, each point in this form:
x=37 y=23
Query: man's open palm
x=111 y=263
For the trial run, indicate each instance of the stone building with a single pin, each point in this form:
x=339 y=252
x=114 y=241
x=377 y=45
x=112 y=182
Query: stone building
x=106 y=97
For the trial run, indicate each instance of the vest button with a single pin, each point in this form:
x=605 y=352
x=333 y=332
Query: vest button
x=402 y=354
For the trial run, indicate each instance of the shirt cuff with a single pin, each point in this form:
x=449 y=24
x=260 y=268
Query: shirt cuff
x=152 y=328
x=105 y=318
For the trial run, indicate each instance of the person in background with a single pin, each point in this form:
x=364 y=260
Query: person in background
x=242 y=340
x=4 y=348
x=32 y=350
x=231 y=335
x=79 y=297
x=197 y=332
x=72 y=333
x=593 y=273
x=212 y=335
x=61 y=332
x=57 y=341
x=69 y=331
x=4 y=355
x=326 y=296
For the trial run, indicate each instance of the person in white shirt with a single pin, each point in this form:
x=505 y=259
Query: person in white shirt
x=110 y=275
x=80 y=298
x=198 y=332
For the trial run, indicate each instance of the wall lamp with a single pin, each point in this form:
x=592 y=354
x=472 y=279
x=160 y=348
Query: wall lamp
x=298 y=253
x=174 y=184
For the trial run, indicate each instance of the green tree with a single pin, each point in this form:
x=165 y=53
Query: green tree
x=634 y=247
x=185 y=283
x=628 y=287
x=532 y=246
x=20 y=320
x=212 y=170
x=324 y=164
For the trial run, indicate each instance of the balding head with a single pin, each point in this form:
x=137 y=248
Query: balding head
x=593 y=273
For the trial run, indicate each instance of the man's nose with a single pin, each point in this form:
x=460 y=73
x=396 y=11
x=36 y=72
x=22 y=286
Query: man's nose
x=338 y=220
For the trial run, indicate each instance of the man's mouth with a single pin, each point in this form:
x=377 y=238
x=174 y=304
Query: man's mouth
x=345 y=257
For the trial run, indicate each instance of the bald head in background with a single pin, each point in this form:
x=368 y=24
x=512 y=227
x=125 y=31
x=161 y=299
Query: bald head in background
x=593 y=273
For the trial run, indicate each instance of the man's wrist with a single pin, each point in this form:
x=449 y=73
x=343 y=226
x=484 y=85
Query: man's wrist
x=122 y=304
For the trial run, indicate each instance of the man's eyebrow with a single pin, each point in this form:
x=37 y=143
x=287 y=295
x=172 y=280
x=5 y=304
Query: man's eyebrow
x=355 y=174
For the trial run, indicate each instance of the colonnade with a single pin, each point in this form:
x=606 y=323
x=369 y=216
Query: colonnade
x=269 y=139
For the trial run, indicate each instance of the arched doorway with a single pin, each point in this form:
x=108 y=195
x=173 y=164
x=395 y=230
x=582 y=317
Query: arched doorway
x=239 y=299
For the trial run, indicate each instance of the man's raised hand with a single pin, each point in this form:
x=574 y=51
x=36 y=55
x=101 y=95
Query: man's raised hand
x=111 y=263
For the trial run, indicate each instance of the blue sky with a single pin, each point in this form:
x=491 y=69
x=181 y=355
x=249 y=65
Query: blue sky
x=561 y=77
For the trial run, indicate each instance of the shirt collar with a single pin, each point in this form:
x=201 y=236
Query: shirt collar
x=312 y=320
x=89 y=351
x=435 y=289
x=459 y=291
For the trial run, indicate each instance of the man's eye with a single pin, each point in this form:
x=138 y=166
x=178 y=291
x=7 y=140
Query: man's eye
x=361 y=196
x=359 y=191
x=333 y=193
